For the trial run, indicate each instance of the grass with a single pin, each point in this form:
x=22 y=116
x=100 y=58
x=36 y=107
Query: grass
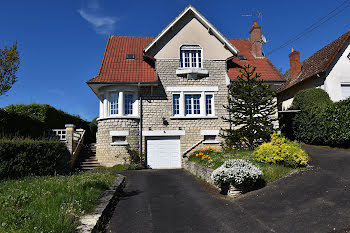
x=213 y=159
x=51 y=203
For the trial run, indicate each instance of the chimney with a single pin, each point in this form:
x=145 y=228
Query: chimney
x=255 y=40
x=295 y=65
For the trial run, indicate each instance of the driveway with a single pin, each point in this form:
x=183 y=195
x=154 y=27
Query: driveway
x=315 y=200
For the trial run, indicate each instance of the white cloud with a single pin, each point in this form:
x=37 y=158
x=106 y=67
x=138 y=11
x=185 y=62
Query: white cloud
x=101 y=24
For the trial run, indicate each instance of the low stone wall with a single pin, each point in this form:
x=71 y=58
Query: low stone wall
x=199 y=171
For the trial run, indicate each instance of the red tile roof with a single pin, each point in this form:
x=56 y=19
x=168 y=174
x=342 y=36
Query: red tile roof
x=263 y=65
x=317 y=62
x=116 y=68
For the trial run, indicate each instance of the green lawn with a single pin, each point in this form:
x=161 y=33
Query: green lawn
x=51 y=203
x=214 y=159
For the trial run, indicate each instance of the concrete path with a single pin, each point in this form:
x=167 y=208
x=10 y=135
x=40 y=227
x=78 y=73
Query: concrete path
x=315 y=200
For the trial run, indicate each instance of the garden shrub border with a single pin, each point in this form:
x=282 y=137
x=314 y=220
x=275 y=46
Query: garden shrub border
x=23 y=157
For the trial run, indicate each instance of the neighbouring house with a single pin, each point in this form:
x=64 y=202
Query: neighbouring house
x=165 y=94
x=328 y=68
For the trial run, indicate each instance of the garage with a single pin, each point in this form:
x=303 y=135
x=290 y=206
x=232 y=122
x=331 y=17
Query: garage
x=163 y=152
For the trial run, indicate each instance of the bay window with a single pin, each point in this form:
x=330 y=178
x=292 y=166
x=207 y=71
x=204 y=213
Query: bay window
x=114 y=97
x=128 y=101
x=119 y=102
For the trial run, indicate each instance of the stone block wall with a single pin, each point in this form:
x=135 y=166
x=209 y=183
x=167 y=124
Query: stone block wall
x=157 y=106
x=109 y=155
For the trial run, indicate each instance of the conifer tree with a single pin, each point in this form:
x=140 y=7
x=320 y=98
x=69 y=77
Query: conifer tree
x=251 y=107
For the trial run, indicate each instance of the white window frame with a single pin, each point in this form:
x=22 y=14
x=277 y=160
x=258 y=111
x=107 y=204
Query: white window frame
x=105 y=103
x=203 y=92
x=197 y=48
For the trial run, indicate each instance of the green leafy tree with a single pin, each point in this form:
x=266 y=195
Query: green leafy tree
x=251 y=107
x=9 y=64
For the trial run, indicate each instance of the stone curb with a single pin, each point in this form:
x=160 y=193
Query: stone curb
x=97 y=220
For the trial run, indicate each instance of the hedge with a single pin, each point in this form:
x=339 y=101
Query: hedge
x=34 y=119
x=328 y=125
x=308 y=98
x=22 y=157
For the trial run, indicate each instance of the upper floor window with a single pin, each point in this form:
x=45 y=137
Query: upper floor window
x=114 y=97
x=191 y=56
x=121 y=104
x=176 y=104
x=192 y=104
x=128 y=101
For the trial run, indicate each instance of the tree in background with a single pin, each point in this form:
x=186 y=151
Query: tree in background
x=251 y=107
x=9 y=64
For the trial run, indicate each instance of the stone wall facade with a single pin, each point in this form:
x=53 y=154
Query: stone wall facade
x=157 y=113
x=157 y=109
x=109 y=154
x=157 y=106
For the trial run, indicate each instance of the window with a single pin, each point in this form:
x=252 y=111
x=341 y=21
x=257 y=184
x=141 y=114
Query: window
x=348 y=56
x=195 y=102
x=191 y=56
x=210 y=136
x=176 y=104
x=192 y=104
x=119 y=104
x=128 y=104
x=114 y=96
x=208 y=104
x=118 y=139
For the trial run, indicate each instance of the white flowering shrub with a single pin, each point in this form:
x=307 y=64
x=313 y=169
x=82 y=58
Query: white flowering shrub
x=236 y=171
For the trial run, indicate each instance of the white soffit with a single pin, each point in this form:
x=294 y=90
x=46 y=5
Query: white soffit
x=201 y=19
x=194 y=88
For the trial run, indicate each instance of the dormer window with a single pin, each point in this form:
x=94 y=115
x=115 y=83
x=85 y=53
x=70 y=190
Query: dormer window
x=130 y=56
x=191 y=56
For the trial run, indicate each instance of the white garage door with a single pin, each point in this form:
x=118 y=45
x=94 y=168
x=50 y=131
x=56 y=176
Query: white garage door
x=163 y=152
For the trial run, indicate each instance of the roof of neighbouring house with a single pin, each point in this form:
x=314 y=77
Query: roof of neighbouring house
x=263 y=65
x=317 y=62
x=116 y=68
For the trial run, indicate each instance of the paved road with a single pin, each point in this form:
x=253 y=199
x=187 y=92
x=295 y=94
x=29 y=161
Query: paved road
x=315 y=200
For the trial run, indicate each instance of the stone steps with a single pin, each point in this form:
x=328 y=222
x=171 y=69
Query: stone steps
x=87 y=158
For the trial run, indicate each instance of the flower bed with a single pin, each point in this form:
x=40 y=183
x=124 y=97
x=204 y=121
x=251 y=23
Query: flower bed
x=247 y=164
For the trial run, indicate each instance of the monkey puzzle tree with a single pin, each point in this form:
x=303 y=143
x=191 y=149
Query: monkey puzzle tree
x=251 y=107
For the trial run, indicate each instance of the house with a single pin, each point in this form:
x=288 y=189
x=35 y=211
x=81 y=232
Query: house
x=328 y=68
x=165 y=94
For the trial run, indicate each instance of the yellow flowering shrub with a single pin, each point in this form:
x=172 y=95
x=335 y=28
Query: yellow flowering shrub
x=281 y=150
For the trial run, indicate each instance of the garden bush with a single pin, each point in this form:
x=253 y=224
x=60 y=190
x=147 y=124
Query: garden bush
x=22 y=157
x=308 y=98
x=281 y=151
x=324 y=126
x=32 y=120
x=237 y=172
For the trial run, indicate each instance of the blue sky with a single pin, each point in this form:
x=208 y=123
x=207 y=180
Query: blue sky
x=61 y=42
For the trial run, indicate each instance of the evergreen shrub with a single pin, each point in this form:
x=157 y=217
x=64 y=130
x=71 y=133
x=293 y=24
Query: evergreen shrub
x=23 y=157
x=308 y=98
x=281 y=151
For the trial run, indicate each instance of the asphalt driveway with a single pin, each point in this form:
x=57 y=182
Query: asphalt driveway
x=315 y=200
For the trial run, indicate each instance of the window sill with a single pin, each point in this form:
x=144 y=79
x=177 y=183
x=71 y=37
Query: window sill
x=193 y=117
x=191 y=73
x=118 y=117
x=210 y=142
x=119 y=143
